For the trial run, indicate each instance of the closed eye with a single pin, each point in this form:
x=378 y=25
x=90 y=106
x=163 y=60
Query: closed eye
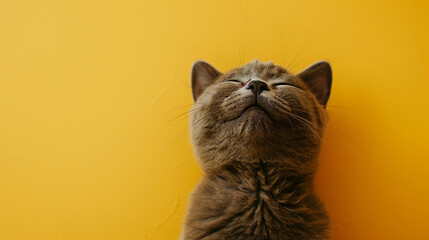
x=284 y=84
x=234 y=80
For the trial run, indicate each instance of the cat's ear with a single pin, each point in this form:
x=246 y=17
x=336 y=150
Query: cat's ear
x=318 y=78
x=203 y=75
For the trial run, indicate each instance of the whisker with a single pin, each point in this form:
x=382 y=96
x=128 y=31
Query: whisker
x=306 y=113
x=306 y=120
x=176 y=108
x=184 y=131
x=301 y=120
x=333 y=106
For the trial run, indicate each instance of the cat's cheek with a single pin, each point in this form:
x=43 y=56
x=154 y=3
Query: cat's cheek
x=206 y=97
x=234 y=105
x=266 y=100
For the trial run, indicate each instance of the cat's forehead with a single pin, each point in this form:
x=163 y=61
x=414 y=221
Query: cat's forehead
x=256 y=69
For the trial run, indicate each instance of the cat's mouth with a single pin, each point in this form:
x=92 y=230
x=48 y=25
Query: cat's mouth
x=255 y=108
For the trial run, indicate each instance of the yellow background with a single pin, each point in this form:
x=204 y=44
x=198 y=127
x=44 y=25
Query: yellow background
x=94 y=98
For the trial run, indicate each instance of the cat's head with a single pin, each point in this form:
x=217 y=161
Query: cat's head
x=258 y=111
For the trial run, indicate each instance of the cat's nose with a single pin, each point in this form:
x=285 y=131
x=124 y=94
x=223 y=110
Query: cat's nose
x=257 y=86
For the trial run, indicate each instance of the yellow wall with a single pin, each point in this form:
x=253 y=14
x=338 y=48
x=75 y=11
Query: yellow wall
x=94 y=95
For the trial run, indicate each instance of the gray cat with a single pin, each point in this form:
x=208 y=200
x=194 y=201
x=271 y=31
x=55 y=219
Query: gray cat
x=257 y=131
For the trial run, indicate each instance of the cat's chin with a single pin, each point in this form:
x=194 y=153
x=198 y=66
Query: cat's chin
x=255 y=120
x=255 y=113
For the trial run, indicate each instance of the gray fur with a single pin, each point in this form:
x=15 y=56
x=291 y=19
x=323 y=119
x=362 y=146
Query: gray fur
x=258 y=163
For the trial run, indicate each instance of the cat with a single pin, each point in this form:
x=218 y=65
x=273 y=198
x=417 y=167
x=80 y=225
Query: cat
x=256 y=132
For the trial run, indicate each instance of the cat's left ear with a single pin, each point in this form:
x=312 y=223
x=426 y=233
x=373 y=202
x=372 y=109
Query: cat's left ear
x=318 y=78
x=203 y=75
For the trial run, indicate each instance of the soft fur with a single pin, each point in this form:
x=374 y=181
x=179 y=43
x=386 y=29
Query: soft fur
x=258 y=162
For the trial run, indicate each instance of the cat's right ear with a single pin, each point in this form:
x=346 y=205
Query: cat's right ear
x=318 y=77
x=203 y=75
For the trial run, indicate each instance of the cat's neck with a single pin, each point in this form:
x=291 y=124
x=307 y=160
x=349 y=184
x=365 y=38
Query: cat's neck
x=293 y=166
x=294 y=159
x=261 y=176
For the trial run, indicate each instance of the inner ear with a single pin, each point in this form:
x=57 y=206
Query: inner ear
x=318 y=78
x=203 y=75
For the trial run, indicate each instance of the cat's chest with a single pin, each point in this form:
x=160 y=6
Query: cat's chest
x=255 y=202
x=248 y=204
